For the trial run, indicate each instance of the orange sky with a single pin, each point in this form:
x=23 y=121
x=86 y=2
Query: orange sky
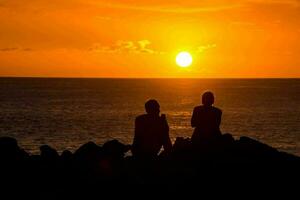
x=127 y=38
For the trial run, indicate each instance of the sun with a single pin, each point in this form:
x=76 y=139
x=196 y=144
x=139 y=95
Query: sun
x=184 y=59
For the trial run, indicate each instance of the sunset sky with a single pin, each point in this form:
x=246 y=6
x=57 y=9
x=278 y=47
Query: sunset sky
x=140 y=38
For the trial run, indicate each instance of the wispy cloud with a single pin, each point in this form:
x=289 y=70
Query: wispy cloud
x=15 y=49
x=166 y=6
x=9 y=49
x=195 y=7
x=27 y=49
x=105 y=18
x=242 y=24
x=287 y=2
x=203 y=48
x=122 y=46
x=169 y=6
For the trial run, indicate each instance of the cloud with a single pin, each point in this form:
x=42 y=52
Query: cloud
x=166 y=6
x=242 y=24
x=170 y=8
x=15 y=49
x=122 y=46
x=203 y=48
x=140 y=46
x=104 y=18
x=295 y=3
x=9 y=49
x=143 y=46
x=190 y=7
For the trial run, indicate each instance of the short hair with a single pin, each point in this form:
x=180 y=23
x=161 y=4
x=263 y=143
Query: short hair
x=151 y=105
x=208 y=98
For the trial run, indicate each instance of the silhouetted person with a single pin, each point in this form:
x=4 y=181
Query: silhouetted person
x=151 y=132
x=206 y=119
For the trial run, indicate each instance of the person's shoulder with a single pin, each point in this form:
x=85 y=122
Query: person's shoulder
x=141 y=117
x=218 y=110
x=197 y=108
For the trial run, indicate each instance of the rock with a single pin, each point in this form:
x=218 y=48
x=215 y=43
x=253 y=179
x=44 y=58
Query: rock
x=48 y=153
x=115 y=149
x=66 y=155
x=255 y=150
x=10 y=151
x=94 y=166
x=182 y=146
x=89 y=152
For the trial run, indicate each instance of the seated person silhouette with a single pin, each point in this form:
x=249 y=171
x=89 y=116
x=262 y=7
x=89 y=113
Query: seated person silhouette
x=151 y=132
x=206 y=120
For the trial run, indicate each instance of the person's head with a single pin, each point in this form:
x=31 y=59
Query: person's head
x=152 y=107
x=208 y=98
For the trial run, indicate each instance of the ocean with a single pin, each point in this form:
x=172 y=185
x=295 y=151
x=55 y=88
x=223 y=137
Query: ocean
x=66 y=113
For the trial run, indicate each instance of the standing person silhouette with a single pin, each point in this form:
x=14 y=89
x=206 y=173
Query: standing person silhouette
x=151 y=132
x=206 y=120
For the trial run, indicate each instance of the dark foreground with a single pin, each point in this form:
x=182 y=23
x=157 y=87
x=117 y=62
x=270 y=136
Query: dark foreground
x=234 y=165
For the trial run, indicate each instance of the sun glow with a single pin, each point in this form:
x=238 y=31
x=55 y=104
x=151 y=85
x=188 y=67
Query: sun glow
x=184 y=59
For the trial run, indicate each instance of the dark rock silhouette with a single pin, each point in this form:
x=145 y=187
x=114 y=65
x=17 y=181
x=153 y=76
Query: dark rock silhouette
x=10 y=151
x=66 y=155
x=89 y=153
x=49 y=154
x=115 y=149
x=106 y=168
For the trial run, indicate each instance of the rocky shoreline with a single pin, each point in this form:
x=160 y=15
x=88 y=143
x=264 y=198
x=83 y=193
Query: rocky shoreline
x=104 y=168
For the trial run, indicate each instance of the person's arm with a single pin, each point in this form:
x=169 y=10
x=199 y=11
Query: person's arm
x=167 y=144
x=219 y=118
x=195 y=118
x=137 y=135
